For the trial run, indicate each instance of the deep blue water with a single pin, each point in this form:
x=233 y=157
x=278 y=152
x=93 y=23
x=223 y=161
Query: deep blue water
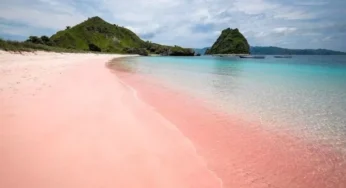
x=305 y=95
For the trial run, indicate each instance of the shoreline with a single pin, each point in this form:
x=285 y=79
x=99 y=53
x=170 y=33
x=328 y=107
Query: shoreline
x=241 y=153
x=75 y=121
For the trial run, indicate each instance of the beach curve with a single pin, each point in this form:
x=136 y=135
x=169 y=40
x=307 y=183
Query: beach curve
x=240 y=152
x=66 y=121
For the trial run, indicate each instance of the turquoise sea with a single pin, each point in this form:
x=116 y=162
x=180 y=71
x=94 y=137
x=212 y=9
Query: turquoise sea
x=305 y=95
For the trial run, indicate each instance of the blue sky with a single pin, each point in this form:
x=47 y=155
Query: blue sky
x=189 y=23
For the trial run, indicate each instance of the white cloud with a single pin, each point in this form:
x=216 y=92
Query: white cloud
x=284 y=30
x=261 y=34
x=41 y=13
x=291 y=14
x=328 y=38
x=254 y=6
x=312 y=3
x=217 y=33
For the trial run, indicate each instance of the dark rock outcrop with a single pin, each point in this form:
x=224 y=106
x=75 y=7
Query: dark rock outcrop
x=231 y=41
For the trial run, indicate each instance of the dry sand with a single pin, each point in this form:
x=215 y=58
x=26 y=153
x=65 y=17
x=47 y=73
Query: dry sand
x=66 y=121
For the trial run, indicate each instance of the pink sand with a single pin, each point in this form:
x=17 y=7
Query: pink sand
x=66 y=121
x=241 y=153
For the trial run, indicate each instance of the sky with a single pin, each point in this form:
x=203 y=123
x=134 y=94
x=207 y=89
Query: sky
x=188 y=23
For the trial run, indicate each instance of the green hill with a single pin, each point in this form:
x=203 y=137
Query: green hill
x=231 y=41
x=96 y=34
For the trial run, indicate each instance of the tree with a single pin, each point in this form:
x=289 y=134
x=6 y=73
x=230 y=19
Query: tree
x=35 y=39
x=68 y=27
x=45 y=39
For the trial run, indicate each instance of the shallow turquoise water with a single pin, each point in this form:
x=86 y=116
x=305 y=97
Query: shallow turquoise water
x=305 y=95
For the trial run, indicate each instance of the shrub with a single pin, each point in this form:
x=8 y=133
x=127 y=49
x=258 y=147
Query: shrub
x=139 y=51
x=45 y=39
x=95 y=48
x=35 y=40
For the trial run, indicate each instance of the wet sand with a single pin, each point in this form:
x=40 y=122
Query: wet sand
x=68 y=121
x=240 y=152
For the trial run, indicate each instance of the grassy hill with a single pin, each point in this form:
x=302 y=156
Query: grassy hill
x=231 y=41
x=96 y=35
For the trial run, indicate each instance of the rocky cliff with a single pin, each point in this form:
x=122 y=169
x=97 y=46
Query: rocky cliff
x=231 y=41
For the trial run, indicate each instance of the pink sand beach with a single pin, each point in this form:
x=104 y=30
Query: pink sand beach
x=67 y=120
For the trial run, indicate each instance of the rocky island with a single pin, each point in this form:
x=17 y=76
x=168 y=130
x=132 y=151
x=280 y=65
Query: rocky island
x=231 y=41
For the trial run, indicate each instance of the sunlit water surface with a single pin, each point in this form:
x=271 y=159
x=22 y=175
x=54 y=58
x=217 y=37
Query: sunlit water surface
x=305 y=95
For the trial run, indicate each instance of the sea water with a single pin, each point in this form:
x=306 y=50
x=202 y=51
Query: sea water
x=303 y=95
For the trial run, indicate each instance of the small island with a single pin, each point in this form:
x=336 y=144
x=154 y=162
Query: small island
x=231 y=41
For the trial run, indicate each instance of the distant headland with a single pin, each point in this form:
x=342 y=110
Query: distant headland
x=272 y=50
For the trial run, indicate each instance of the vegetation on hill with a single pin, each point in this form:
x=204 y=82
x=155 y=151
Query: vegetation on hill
x=97 y=35
x=16 y=46
x=271 y=50
x=231 y=41
x=154 y=48
x=179 y=51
